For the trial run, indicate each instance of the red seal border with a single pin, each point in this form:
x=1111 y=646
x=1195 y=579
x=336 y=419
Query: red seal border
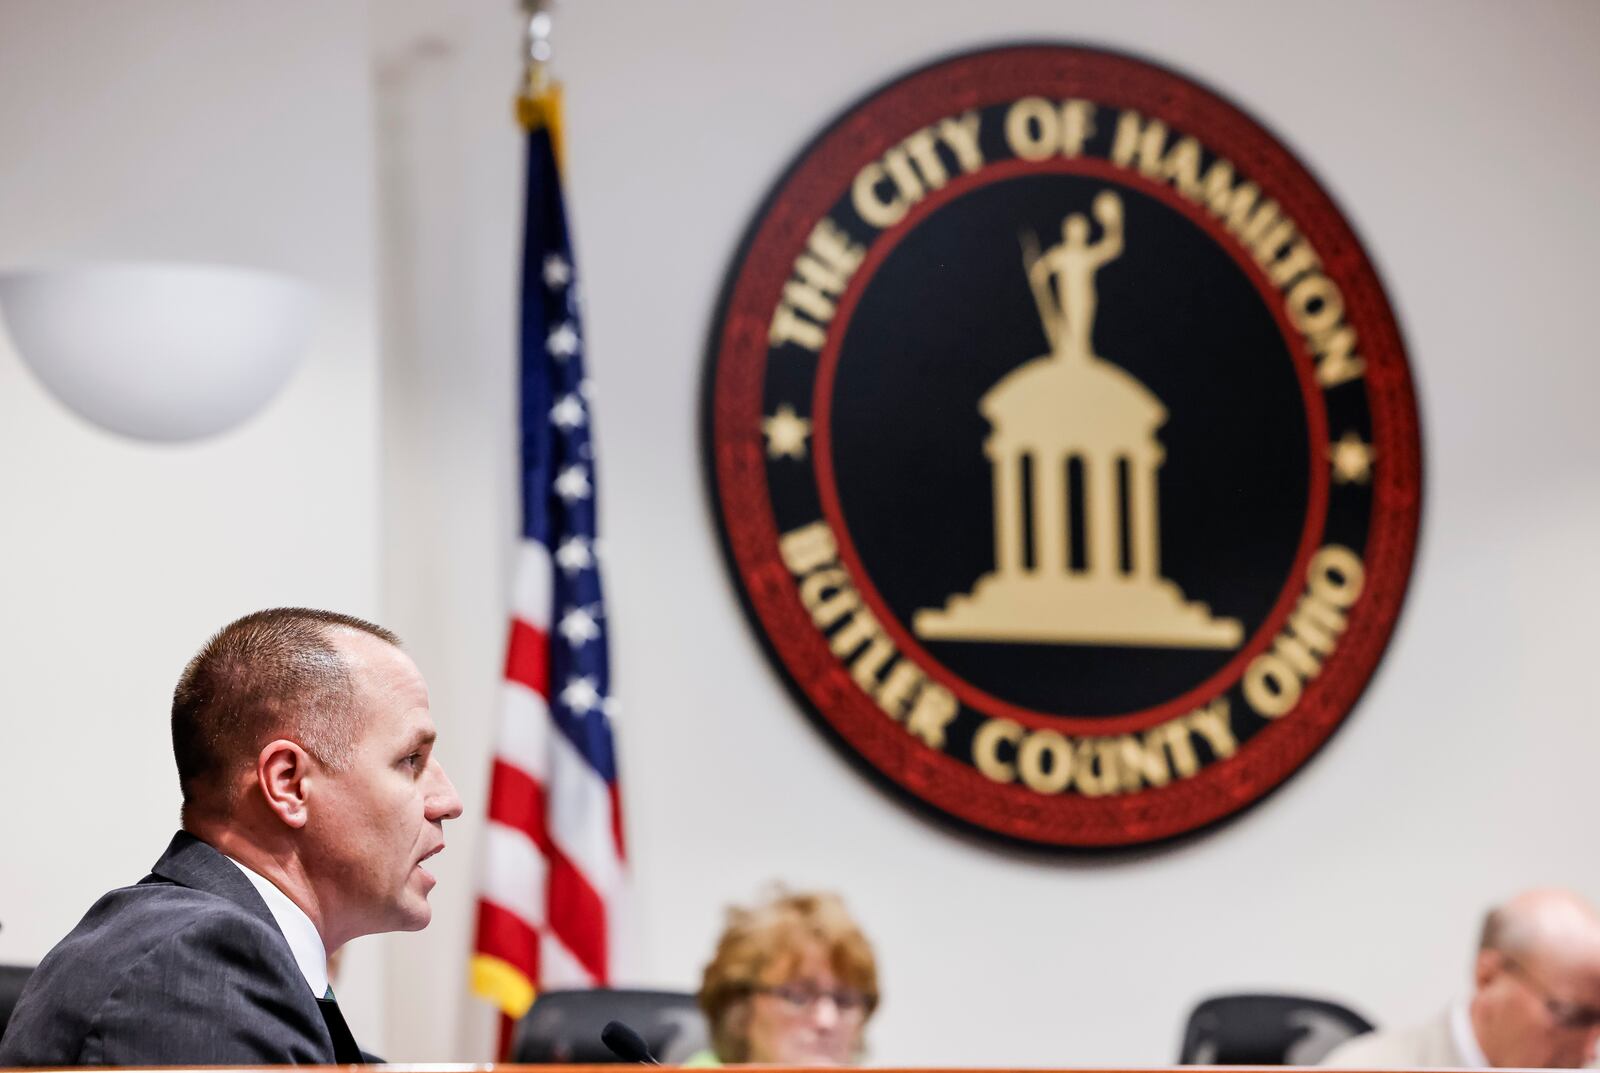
x=736 y=465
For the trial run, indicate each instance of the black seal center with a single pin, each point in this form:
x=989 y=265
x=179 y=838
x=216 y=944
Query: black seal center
x=950 y=312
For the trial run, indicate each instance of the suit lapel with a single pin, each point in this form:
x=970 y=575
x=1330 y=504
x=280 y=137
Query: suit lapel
x=192 y=863
x=189 y=862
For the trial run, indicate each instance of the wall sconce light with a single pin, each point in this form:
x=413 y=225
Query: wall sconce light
x=155 y=351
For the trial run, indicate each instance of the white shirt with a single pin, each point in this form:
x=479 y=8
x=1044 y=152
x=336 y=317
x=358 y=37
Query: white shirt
x=1465 y=1039
x=304 y=941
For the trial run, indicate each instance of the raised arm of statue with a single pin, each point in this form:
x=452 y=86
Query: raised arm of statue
x=1108 y=210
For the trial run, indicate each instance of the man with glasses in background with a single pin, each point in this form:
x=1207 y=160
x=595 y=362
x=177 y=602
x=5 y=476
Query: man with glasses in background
x=1535 y=1000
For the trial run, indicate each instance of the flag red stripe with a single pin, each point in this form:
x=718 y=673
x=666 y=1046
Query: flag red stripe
x=528 y=657
x=578 y=916
x=503 y=934
x=517 y=801
x=616 y=821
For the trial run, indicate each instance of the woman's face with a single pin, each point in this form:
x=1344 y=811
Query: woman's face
x=809 y=1019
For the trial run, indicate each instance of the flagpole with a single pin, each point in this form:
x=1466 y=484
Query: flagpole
x=537 y=104
x=554 y=864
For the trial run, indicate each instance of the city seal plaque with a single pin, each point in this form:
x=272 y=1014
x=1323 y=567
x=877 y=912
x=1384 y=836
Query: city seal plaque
x=1063 y=446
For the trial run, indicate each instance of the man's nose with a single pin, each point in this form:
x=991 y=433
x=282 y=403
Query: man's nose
x=443 y=802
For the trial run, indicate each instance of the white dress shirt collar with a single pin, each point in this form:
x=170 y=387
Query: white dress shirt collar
x=304 y=941
x=1463 y=1036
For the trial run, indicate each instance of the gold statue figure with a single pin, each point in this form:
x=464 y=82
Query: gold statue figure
x=1069 y=320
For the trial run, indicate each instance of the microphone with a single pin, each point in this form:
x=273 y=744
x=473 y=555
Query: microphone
x=626 y=1044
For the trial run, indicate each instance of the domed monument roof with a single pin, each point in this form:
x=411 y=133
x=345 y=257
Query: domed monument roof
x=1083 y=398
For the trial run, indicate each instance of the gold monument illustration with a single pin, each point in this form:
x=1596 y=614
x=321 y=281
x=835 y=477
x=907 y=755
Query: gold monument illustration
x=1075 y=457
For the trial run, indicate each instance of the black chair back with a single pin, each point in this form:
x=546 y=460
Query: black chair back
x=12 y=978
x=1267 y=1030
x=564 y=1026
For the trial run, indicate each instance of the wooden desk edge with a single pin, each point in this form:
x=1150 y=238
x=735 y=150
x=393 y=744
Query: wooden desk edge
x=507 y=1067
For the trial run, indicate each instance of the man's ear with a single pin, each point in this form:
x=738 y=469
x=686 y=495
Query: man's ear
x=1487 y=967
x=281 y=771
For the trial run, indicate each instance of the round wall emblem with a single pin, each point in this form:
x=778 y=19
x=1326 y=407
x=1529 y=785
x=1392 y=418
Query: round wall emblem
x=1063 y=446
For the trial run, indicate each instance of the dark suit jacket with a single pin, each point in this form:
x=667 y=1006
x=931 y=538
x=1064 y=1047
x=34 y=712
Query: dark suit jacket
x=187 y=967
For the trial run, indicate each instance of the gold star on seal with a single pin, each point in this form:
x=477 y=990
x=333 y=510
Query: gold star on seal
x=1352 y=459
x=786 y=433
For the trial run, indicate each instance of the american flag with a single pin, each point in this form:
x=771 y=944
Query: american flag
x=553 y=852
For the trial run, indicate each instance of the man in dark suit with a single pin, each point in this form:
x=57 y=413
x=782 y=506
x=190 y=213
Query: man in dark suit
x=311 y=799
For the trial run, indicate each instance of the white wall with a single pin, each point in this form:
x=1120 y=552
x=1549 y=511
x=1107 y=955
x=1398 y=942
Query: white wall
x=1456 y=136
x=186 y=130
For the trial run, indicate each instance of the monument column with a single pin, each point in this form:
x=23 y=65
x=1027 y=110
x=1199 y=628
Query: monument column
x=1142 y=526
x=1006 y=465
x=1100 y=507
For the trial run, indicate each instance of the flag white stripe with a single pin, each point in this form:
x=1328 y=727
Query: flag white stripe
x=525 y=730
x=514 y=878
x=530 y=584
x=579 y=817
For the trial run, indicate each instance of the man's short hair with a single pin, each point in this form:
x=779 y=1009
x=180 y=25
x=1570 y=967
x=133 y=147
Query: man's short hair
x=1508 y=932
x=1492 y=935
x=274 y=673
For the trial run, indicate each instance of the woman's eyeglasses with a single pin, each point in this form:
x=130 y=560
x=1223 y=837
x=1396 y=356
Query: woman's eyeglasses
x=802 y=996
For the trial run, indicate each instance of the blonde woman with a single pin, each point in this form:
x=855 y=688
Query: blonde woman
x=793 y=982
